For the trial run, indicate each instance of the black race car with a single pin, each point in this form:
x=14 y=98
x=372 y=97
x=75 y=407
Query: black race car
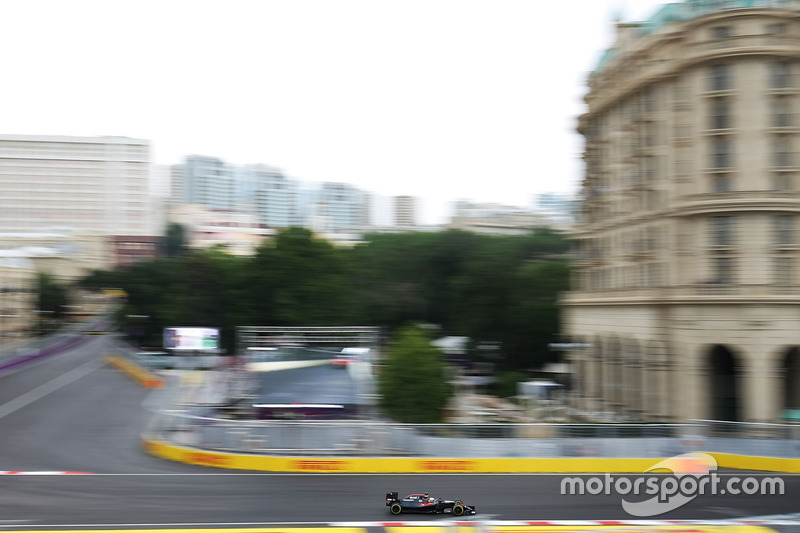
x=423 y=503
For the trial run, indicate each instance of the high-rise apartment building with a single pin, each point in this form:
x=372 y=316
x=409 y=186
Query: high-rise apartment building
x=404 y=211
x=207 y=181
x=687 y=290
x=341 y=206
x=278 y=201
x=91 y=184
x=177 y=185
x=269 y=193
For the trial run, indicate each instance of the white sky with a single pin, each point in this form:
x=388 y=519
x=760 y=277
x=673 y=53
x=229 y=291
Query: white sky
x=441 y=99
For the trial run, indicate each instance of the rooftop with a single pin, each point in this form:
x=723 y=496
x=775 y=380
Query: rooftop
x=687 y=10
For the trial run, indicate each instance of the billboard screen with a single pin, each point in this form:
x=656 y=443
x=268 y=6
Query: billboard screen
x=191 y=339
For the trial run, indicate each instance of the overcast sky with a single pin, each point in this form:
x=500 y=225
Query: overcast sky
x=440 y=99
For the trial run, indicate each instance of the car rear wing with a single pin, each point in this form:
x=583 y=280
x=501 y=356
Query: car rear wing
x=391 y=497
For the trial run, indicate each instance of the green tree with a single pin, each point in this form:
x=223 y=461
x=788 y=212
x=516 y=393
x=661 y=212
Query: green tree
x=535 y=314
x=52 y=301
x=407 y=277
x=204 y=294
x=97 y=280
x=412 y=383
x=149 y=286
x=175 y=242
x=497 y=290
x=301 y=280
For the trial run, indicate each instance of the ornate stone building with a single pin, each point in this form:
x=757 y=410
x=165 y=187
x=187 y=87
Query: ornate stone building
x=686 y=288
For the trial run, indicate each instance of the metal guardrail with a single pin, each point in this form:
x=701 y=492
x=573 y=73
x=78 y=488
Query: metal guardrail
x=189 y=418
x=749 y=430
x=195 y=426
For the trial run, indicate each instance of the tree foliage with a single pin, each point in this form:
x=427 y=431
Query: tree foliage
x=53 y=300
x=97 y=280
x=303 y=280
x=175 y=241
x=497 y=290
x=412 y=383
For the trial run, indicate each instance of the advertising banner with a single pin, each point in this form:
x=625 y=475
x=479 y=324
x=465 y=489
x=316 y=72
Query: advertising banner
x=191 y=339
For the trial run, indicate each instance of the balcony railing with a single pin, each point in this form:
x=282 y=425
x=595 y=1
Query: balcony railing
x=735 y=200
x=741 y=43
x=618 y=77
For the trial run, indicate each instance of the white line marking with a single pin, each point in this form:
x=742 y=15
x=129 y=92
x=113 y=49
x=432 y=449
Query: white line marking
x=51 y=386
x=40 y=473
x=178 y=524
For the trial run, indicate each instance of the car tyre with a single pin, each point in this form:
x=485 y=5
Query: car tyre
x=458 y=509
x=396 y=508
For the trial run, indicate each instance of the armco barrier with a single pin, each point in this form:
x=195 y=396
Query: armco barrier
x=205 y=453
x=387 y=465
x=159 y=440
x=427 y=465
x=195 y=425
x=298 y=461
x=753 y=462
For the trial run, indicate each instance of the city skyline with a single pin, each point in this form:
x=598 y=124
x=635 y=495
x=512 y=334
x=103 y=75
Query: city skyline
x=241 y=189
x=443 y=101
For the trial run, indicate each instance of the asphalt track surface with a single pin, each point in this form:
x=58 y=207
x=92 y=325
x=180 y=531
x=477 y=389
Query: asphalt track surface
x=70 y=412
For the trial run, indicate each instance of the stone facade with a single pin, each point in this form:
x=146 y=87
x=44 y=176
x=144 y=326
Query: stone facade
x=686 y=289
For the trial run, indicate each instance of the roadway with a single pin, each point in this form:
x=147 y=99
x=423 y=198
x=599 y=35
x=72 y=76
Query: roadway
x=70 y=412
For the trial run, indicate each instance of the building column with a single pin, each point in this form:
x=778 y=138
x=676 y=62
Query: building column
x=626 y=381
x=597 y=381
x=577 y=379
x=689 y=387
x=620 y=391
x=665 y=405
x=655 y=382
x=587 y=379
x=635 y=382
x=632 y=372
x=651 y=382
x=760 y=386
x=603 y=386
x=645 y=375
x=610 y=383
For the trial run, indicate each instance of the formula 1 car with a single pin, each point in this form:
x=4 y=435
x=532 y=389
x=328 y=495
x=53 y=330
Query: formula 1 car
x=423 y=503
